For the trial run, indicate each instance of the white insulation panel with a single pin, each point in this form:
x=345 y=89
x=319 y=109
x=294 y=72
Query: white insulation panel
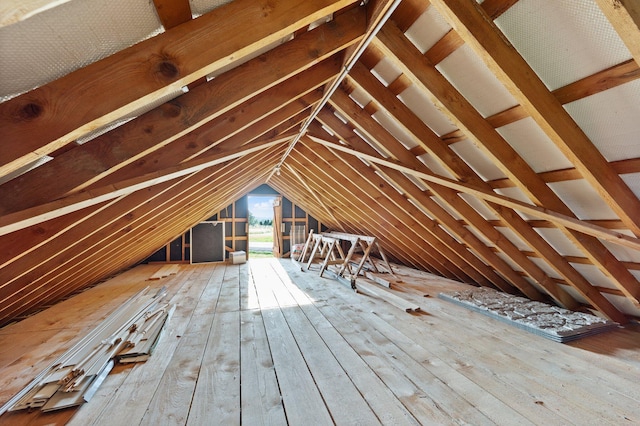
x=610 y=120
x=563 y=41
x=519 y=195
x=513 y=265
x=622 y=253
x=435 y=165
x=421 y=106
x=559 y=242
x=593 y=275
x=540 y=263
x=515 y=239
x=633 y=182
x=427 y=29
x=583 y=200
x=386 y=71
x=623 y=304
x=395 y=129
x=574 y=293
x=534 y=146
x=471 y=77
x=476 y=159
x=480 y=207
x=446 y=207
x=60 y=40
x=361 y=97
x=480 y=236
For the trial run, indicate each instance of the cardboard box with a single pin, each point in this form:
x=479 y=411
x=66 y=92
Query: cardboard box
x=238 y=257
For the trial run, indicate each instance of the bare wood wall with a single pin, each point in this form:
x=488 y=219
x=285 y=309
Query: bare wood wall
x=235 y=217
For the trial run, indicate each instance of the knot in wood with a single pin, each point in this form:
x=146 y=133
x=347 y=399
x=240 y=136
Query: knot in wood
x=167 y=69
x=30 y=111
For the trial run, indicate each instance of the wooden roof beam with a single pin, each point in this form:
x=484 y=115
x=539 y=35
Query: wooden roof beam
x=137 y=214
x=460 y=111
x=543 y=213
x=225 y=133
x=347 y=133
x=395 y=149
x=624 y=15
x=424 y=136
x=47 y=118
x=441 y=264
x=31 y=216
x=306 y=197
x=385 y=224
x=514 y=221
x=586 y=289
x=479 y=32
x=304 y=183
x=359 y=214
x=357 y=176
x=135 y=139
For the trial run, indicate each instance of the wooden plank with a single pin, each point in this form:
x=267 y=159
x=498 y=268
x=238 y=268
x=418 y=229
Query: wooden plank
x=45 y=119
x=75 y=317
x=172 y=13
x=624 y=16
x=344 y=401
x=380 y=353
x=301 y=398
x=89 y=162
x=217 y=393
x=387 y=296
x=446 y=367
x=388 y=408
x=379 y=279
x=261 y=403
x=502 y=58
x=169 y=381
x=614 y=76
x=164 y=272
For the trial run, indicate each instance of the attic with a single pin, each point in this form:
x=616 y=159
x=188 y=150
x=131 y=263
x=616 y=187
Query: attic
x=491 y=144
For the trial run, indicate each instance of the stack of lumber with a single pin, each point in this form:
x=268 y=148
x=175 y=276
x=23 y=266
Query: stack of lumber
x=129 y=334
x=552 y=322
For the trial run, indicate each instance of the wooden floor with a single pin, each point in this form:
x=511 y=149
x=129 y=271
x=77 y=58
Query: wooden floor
x=263 y=343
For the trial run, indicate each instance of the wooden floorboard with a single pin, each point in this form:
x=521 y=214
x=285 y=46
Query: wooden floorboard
x=264 y=343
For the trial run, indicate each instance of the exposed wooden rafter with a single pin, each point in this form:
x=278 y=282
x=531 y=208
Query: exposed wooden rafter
x=352 y=111
x=145 y=72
